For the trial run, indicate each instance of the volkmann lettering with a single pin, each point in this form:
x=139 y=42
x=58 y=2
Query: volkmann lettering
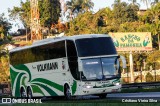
x=47 y=66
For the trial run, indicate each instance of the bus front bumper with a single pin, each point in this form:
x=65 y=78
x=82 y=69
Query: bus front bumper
x=89 y=91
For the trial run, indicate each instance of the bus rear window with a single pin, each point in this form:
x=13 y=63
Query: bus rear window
x=95 y=46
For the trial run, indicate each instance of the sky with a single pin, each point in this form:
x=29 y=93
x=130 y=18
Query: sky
x=98 y=4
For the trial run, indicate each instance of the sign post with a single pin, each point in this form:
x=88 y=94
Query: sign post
x=158 y=42
x=131 y=67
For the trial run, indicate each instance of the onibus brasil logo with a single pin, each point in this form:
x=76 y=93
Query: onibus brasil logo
x=13 y=100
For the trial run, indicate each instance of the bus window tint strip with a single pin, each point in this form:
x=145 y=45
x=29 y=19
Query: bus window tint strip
x=95 y=46
x=39 y=53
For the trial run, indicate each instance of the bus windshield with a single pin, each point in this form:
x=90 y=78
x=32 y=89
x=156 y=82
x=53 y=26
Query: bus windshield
x=95 y=46
x=99 y=68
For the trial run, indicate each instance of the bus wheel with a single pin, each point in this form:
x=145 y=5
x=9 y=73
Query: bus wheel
x=102 y=96
x=29 y=93
x=22 y=92
x=67 y=92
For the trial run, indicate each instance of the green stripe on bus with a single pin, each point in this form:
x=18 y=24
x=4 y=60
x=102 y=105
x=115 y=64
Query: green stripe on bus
x=74 y=87
x=22 y=67
x=13 y=76
x=50 y=83
x=50 y=91
x=17 y=88
x=36 y=89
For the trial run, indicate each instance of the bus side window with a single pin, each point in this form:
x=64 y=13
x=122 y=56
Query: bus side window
x=72 y=59
x=57 y=50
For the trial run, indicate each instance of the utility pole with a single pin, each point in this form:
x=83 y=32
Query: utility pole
x=158 y=40
x=26 y=34
x=35 y=22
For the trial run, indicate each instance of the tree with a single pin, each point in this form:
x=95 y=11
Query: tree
x=23 y=13
x=132 y=12
x=49 y=12
x=117 y=1
x=155 y=2
x=78 y=6
x=123 y=12
x=4 y=64
x=149 y=77
x=151 y=20
x=133 y=1
x=154 y=60
x=4 y=27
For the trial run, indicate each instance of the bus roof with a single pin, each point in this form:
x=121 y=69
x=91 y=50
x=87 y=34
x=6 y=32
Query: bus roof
x=56 y=39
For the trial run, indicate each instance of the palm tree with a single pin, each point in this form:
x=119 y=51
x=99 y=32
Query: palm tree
x=78 y=6
x=117 y=1
x=133 y=1
x=87 y=5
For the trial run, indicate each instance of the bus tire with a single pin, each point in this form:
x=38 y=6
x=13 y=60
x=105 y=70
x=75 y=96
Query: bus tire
x=102 y=96
x=29 y=93
x=22 y=93
x=67 y=92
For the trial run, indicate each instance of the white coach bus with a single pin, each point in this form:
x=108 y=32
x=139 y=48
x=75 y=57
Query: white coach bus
x=66 y=66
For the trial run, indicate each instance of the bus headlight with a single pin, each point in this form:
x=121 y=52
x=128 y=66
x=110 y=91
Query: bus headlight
x=116 y=83
x=87 y=86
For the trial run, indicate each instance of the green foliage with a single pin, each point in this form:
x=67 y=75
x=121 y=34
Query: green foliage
x=122 y=18
x=49 y=12
x=9 y=37
x=78 y=6
x=149 y=77
x=157 y=78
x=139 y=59
x=4 y=27
x=23 y=13
x=153 y=59
x=106 y=20
x=4 y=66
x=82 y=24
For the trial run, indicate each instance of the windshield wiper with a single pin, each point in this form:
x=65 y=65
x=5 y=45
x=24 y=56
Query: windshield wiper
x=92 y=79
x=111 y=76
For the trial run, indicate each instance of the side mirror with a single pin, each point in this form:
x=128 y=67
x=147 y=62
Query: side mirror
x=123 y=61
x=80 y=66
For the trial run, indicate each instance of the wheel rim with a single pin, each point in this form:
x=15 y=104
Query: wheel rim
x=29 y=94
x=23 y=94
